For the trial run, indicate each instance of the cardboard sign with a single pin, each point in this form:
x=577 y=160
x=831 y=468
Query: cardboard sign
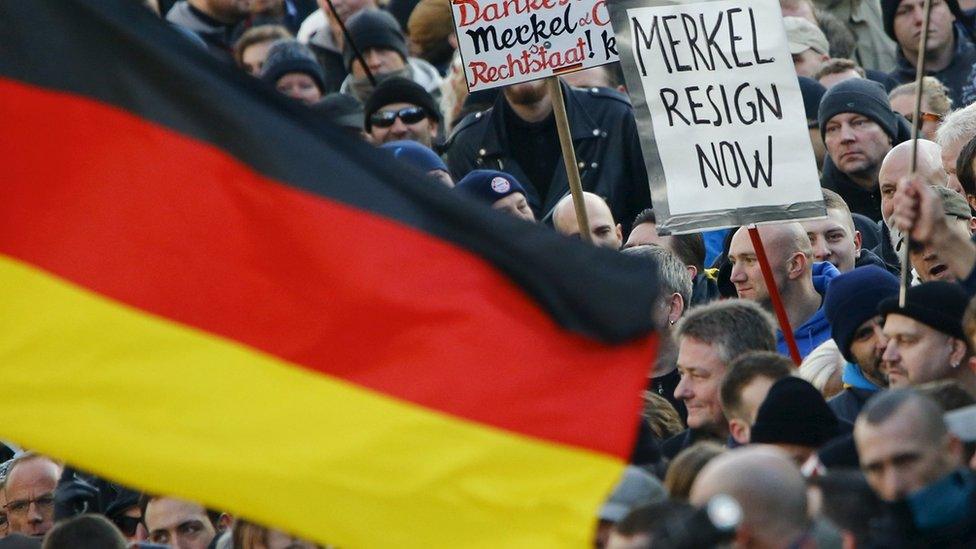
x=720 y=114
x=505 y=42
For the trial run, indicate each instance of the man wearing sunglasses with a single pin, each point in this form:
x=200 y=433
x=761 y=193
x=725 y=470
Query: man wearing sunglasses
x=400 y=109
x=29 y=493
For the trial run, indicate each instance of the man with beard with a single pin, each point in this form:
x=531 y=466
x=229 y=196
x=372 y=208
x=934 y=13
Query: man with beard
x=926 y=341
x=217 y=22
x=518 y=136
x=851 y=306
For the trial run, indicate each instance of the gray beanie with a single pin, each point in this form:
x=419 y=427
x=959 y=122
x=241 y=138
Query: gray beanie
x=288 y=55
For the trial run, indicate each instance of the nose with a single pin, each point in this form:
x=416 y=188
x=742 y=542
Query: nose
x=34 y=514
x=846 y=133
x=738 y=273
x=398 y=127
x=890 y=352
x=880 y=341
x=896 y=485
x=820 y=251
x=682 y=391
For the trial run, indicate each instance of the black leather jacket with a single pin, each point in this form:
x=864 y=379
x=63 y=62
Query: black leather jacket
x=607 y=150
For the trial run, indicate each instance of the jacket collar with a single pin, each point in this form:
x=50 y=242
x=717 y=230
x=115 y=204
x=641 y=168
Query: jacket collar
x=581 y=124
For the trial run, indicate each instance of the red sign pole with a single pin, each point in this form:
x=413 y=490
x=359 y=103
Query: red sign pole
x=767 y=272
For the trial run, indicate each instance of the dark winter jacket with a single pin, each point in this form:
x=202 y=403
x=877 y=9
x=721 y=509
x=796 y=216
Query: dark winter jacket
x=220 y=37
x=607 y=150
x=886 y=251
x=957 y=77
x=903 y=526
x=866 y=203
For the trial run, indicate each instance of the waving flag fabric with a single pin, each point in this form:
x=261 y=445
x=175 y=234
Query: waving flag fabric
x=205 y=291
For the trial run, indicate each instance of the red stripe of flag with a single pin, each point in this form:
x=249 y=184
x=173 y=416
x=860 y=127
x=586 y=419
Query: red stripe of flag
x=178 y=228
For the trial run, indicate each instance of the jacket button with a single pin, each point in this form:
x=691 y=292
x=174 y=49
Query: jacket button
x=481 y=152
x=477 y=115
x=582 y=165
x=596 y=133
x=594 y=165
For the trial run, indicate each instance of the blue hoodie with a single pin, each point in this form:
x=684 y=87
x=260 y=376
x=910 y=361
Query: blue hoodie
x=816 y=329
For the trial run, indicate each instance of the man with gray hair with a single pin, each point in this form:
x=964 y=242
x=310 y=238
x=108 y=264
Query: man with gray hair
x=767 y=486
x=895 y=166
x=709 y=338
x=912 y=462
x=673 y=300
x=800 y=281
x=953 y=134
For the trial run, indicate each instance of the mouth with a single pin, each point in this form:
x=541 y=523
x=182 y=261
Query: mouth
x=938 y=270
x=848 y=155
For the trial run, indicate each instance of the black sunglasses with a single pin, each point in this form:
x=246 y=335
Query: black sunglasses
x=127 y=524
x=409 y=115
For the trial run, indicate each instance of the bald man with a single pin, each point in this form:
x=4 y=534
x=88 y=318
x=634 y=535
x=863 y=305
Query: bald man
x=604 y=231
x=768 y=487
x=800 y=281
x=895 y=166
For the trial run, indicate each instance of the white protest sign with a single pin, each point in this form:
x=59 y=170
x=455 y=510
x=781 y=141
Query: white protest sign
x=727 y=125
x=505 y=42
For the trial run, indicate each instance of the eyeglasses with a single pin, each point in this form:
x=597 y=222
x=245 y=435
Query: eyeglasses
x=18 y=507
x=127 y=525
x=926 y=117
x=409 y=115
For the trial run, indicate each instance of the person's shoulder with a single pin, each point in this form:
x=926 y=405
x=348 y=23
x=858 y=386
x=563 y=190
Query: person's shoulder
x=470 y=124
x=602 y=96
x=674 y=445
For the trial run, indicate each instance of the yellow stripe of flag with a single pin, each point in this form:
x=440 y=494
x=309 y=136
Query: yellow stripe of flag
x=316 y=453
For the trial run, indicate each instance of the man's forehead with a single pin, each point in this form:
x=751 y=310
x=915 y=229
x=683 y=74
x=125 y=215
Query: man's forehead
x=395 y=106
x=169 y=512
x=32 y=471
x=834 y=220
x=895 y=323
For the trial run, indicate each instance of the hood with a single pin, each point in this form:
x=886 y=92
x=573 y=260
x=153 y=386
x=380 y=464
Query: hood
x=823 y=273
x=417 y=70
x=853 y=377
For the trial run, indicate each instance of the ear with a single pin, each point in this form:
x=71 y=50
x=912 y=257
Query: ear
x=971 y=198
x=972 y=225
x=225 y=522
x=857 y=243
x=958 y=352
x=797 y=266
x=954 y=450
x=692 y=271
x=676 y=308
x=739 y=430
x=620 y=233
x=434 y=127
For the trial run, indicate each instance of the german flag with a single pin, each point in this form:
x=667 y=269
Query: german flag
x=207 y=292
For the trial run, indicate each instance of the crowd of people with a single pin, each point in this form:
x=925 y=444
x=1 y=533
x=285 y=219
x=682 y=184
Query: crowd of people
x=870 y=441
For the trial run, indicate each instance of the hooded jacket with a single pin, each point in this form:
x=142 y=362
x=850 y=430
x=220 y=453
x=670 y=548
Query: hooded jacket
x=604 y=135
x=416 y=69
x=816 y=329
x=316 y=33
x=857 y=390
x=957 y=77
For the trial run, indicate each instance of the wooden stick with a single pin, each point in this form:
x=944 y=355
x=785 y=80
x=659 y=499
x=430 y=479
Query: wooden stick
x=569 y=156
x=767 y=272
x=906 y=271
x=348 y=37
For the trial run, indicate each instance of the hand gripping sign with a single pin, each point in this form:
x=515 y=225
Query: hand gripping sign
x=719 y=112
x=505 y=42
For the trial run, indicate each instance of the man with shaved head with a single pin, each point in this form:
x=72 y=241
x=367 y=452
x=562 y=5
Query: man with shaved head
x=897 y=165
x=912 y=462
x=800 y=281
x=603 y=230
x=768 y=487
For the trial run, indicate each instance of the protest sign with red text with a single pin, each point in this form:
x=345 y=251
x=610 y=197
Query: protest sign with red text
x=505 y=42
